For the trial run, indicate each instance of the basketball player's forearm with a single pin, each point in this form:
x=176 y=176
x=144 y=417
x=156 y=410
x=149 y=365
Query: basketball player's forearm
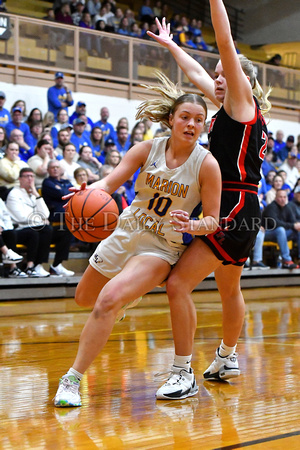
x=207 y=225
x=220 y=22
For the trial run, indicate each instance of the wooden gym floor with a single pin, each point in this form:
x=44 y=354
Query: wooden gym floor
x=259 y=410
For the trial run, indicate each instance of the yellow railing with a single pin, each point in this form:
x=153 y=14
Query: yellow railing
x=94 y=60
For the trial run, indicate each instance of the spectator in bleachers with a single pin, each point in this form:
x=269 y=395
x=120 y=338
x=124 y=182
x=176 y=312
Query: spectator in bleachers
x=8 y=243
x=36 y=129
x=268 y=164
x=67 y=164
x=81 y=176
x=79 y=136
x=129 y=14
x=4 y=113
x=109 y=15
x=93 y=7
x=269 y=179
x=3 y=142
x=146 y=13
x=117 y=19
x=10 y=167
x=90 y=163
x=25 y=150
x=97 y=143
x=117 y=196
x=54 y=187
x=79 y=111
x=157 y=9
x=59 y=96
x=17 y=123
x=122 y=142
x=108 y=145
x=63 y=14
x=285 y=186
x=135 y=31
x=276 y=185
x=3 y=6
x=48 y=121
x=279 y=142
x=124 y=27
x=101 y=15
x=20 y=104
x=283 y=153
x=113 y=157
x=275 y=77
x=34 y=115
x=106 y=127
x=294 y=206
x=281 y=226
x=62 y=119
x=63 y=136
x=290 y=167
x=44 y=153
x=30 y=214
x=78 y=13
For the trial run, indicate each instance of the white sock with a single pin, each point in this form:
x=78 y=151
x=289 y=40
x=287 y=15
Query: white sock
x=224 y=350
x=75 y=373
x=183 y=361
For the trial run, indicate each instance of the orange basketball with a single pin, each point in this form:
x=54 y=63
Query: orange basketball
x=91 y=215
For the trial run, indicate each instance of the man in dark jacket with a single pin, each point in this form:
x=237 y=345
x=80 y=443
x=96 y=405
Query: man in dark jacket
x=294 y=206
x=281 y=226
x=53 y=188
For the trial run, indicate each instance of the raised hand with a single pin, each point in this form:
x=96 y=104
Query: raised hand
x=165 y=37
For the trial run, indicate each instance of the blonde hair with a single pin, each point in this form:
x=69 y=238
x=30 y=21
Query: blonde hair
x=264 y=103
x=159 y=110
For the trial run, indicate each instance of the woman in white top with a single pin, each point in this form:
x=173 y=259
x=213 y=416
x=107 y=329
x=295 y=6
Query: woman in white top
x=68 y=164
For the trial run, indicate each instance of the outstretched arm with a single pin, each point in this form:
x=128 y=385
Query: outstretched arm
x=238 y=101
x=193 y=70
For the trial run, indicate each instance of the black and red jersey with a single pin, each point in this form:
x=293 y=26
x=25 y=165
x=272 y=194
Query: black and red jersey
x=238 y=147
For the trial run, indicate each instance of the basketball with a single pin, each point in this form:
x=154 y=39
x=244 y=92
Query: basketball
x=91 y=215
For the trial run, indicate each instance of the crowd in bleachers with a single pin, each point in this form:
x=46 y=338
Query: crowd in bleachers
x=107 y=16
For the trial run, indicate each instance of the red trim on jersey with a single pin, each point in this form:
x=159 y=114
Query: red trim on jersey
x=239 y=190
x=219 y=248
x=237 y=207
x=239 y=182
x=243 y=152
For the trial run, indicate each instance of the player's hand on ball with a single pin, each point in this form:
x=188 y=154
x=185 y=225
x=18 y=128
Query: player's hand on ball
x=73 y=191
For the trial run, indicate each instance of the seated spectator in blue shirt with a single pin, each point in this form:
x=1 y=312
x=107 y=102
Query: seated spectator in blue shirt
x=79 y=111
x=4 y=113
x=97 y=140
x=269 y=179
x=26 y=151
x=122 y=142
x=124 y=27
x=279 y=142
x=59 y=96
x=79 y=136
x=267 y=164
x=16 y=123
x=283 y=153
x=106 y=127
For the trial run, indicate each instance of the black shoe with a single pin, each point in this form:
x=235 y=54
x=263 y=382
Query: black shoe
x=30 y=272
x=289 y=265
x=260 y=265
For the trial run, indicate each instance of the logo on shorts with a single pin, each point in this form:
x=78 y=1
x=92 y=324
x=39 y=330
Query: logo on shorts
x=97 y=259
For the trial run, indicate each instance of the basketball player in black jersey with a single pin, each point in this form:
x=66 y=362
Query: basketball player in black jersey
x=238 y=140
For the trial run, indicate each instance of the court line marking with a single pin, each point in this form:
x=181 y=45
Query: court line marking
x=260 y=441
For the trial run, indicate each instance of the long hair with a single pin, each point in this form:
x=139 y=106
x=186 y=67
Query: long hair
x=159 y=110
x=264 y=103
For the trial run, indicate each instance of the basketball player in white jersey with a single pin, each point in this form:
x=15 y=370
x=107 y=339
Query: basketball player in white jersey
x=176 y=173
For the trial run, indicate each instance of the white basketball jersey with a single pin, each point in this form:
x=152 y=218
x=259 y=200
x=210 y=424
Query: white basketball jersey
x=160 y=190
